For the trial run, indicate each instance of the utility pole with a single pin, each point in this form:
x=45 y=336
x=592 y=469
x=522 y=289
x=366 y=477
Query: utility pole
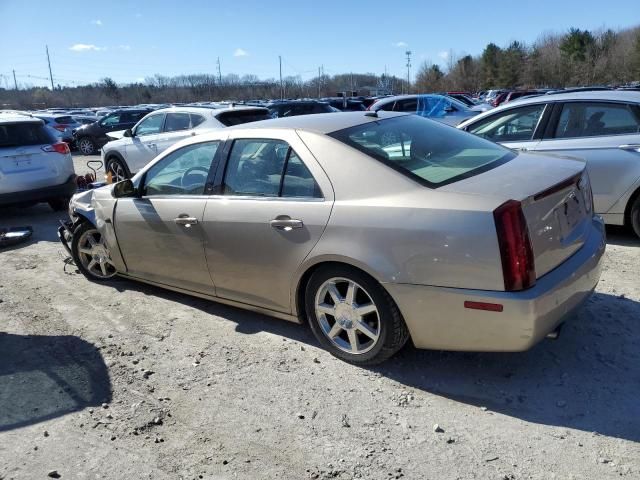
x=49 y=62
x=319 y=77
x=15 y=83
x=219 y=73
x=281 y=86
x=408 y=54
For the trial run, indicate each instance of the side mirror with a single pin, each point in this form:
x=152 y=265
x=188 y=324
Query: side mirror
x=128 y=133
x=124 y=188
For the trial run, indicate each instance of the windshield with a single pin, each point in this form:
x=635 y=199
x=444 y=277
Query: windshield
x=429 y=152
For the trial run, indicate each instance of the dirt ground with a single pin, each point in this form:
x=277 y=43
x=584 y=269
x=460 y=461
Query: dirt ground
x=127 y=381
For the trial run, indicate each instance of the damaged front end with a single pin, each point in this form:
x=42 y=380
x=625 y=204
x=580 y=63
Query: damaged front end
x=80 y=209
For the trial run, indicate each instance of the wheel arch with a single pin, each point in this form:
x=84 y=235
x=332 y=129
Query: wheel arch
x=114 y=154
x=310 y=268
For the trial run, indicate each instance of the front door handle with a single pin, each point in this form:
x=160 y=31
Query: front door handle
x=185 y=220
x=630 y=146
x=285 y=223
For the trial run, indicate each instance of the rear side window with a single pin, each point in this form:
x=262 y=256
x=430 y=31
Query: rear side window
x=267 y=168
x=429 y=152
x=196 y=120
x=238 y=117
x=22 y=134
x=583 y=119
x=132 y=117
x=177 y=121
x=513 y=125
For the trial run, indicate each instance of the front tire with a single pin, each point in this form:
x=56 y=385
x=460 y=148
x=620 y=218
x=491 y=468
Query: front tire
x=90 y=253
x=86 y=146
x=352 y=316
x=635 y=216
x=118 y=169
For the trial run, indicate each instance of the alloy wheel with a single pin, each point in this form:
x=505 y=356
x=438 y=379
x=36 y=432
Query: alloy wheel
x=86 y=146
x=347 y=315
x=117 y=171
x=94 y=255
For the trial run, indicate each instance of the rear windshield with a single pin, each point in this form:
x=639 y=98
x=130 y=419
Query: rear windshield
x=23 y=133
x=429 y=152
x=66 y=120
x=238 y=117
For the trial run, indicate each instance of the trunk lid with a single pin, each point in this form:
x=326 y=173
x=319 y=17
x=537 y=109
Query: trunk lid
x=556 y=202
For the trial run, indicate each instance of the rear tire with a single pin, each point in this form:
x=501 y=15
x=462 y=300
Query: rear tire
x=352 y=316
x=86 y=146
x=59 y=204
x=635 y=216
x=118 y=169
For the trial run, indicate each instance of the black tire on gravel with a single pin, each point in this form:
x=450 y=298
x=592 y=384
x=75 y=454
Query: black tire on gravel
x=77 y=233
x=393 y=330
x=635 y=216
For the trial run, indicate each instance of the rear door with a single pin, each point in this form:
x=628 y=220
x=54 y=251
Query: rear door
x=177 y=126
x=273 y=205
x=514 y=128
x=607 y=136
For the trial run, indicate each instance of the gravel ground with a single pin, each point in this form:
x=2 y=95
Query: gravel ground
x=127 y=381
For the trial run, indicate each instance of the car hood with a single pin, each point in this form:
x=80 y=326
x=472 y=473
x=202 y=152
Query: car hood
x=116 y=135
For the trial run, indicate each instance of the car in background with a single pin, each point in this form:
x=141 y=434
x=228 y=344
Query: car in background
x=291 y=108
x=600 y=127
x=90 y=138
x=469 y=102
x=373 y=228
x=520 y=94
x=345 y=104
x=159 y=130
x=34 y=165
x=436 y=107
x=60 y=126
x=85 y=119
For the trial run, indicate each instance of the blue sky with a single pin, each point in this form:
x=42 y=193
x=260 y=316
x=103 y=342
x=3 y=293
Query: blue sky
x=130 y=40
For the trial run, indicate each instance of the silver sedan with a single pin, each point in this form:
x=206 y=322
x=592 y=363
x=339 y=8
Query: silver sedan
x=373 y=227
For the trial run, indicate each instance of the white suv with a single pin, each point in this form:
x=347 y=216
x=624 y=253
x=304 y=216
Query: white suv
x=157 y=131
x=34 y=166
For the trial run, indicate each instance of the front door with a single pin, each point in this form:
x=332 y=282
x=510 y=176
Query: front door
x=160 y=233
x=274 y=205
x=142 y=147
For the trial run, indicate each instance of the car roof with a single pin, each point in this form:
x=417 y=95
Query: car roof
x=14 y=117
x=613 y=95
x=323 y=123
x=204 y=109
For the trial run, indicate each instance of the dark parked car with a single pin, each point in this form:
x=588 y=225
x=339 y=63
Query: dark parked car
x=90 y=138
x=346 y=105
x=519 y=94
x=291 y=108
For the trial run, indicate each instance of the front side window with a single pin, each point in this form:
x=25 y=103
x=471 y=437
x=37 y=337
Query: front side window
x=584 y=119
x=514 y=125
x=177 y=121
x=150 y=125
x=428 y=152
x=183 y=172
x=267 y=168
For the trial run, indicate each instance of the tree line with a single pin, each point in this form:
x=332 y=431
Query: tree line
x=574 y=58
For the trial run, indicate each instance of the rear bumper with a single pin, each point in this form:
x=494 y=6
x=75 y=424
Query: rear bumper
x=66 y=189
x=437 y=319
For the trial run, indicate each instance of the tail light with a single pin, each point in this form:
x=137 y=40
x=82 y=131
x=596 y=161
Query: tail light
x=518 y=265
x=584 y=185
x=60 y=147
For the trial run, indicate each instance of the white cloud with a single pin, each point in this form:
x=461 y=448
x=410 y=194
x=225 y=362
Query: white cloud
x=400 y=44
x=240 y=53
x=126 y=48
x=444 y=55
x=97 y=22
x=83 y=47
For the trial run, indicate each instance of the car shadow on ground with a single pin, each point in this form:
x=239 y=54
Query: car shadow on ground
x=44 y=377
x=622 y=236
x=588 y=379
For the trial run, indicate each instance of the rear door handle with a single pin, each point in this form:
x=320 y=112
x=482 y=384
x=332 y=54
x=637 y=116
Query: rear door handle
x=630 y=146
x=285 y=223
x=186 y=220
